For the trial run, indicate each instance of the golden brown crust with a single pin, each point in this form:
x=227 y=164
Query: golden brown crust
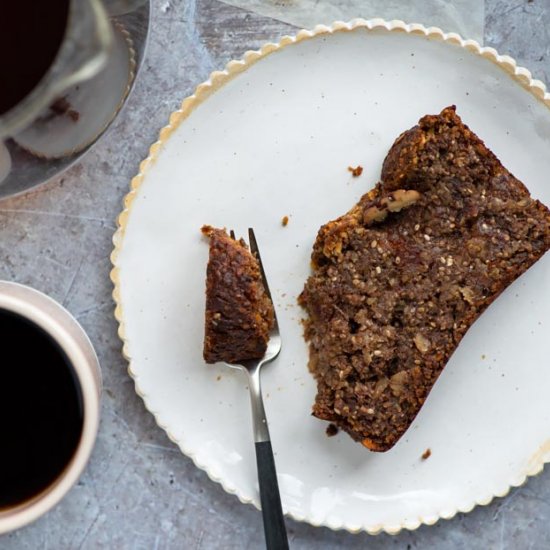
x=394 y=290
x=239 y=314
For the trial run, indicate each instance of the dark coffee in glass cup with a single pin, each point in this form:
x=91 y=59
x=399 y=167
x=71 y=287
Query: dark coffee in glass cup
x=29 y=44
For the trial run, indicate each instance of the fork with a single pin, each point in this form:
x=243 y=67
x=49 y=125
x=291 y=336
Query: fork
x=272 y=513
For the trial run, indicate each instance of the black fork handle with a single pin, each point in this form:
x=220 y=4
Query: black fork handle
x=272 y=512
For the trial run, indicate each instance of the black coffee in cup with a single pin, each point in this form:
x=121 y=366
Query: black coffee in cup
x=41 y=410
x=32 y=32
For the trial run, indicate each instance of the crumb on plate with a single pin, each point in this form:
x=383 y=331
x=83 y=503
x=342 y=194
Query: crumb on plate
x=332 y=430
x=355 y=172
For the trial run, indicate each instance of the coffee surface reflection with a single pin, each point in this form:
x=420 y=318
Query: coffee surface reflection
x=41 y=410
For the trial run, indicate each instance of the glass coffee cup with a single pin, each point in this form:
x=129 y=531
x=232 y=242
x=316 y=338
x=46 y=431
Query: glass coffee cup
x=69 y=68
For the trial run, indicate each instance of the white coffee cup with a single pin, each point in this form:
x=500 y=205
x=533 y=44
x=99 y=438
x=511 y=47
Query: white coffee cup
x=65 y=330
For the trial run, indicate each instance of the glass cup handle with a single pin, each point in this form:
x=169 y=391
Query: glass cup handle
x=91 y=41
x=121 y=7
x=5 y=162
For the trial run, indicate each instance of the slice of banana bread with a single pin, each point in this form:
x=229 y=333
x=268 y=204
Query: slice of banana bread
x=399 y=279
x=239 y=314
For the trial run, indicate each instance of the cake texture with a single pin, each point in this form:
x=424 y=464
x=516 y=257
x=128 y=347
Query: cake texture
x=239 y=313
x=400 y=278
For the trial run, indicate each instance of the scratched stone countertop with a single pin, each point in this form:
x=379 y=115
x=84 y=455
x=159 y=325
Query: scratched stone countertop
x=139 y=491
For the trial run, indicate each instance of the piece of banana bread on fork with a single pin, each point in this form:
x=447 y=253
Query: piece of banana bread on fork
x=239 y=313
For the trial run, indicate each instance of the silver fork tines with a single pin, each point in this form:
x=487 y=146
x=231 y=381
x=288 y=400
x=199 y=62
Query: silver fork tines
x=275 y=342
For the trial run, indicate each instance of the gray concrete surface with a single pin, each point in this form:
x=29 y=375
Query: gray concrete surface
x=138 y=491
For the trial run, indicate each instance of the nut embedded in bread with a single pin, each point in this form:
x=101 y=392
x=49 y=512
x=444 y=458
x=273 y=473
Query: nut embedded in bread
x=239 y=313
x=400 y=278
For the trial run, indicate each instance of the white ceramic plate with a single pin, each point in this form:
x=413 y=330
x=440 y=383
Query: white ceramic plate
x=271 y=136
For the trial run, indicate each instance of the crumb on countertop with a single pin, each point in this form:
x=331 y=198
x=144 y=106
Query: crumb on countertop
x=355 y=172
x=426 y=454
x=332 y=430
x=284 y=221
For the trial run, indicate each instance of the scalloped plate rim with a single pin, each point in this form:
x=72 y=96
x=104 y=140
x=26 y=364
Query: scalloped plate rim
x=216 y=80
